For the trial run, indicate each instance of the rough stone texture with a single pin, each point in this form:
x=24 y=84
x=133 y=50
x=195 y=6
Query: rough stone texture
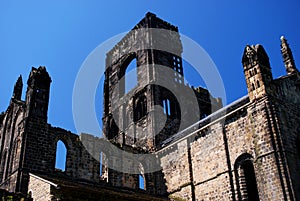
x=134 y=118
x=248 y=150
x=52 y=189
x=40 y=190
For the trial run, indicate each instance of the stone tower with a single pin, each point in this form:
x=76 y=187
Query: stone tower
x=22 y=130
x=257 y=71
x=160 y=103
x=287 y=56
x=131 y=118
x=151 y=111
x=37 y=94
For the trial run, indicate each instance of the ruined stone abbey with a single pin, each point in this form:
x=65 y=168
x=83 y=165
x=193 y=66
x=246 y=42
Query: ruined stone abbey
x=248 y=150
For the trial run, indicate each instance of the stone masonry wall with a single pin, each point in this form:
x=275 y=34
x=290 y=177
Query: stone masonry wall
x=286 y=107
x=41 y=152
x=40 y=190
x=11 y=133
x=214 y=150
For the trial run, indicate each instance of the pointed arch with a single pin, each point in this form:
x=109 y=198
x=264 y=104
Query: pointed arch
x=61 y=156
x=131 y=76
x=245 y=178
x=127 y=74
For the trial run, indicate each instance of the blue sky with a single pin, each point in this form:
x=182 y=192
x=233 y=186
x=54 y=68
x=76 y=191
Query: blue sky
x=61 y=34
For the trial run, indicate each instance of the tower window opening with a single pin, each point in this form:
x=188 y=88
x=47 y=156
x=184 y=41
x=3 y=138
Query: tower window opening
x=167 y=107
x=252 y=87
x=131 y=80
x=61 y=156
x=141 y=108
x=178 y=69
x=258 y=84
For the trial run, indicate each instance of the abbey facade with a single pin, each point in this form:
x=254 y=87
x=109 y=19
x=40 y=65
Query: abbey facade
x=156 y=134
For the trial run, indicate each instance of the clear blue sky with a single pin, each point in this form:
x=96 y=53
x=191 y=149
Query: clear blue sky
x=61 y=34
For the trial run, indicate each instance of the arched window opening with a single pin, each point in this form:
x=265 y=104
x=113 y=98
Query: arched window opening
x=113 y=129
x=255 y=71
x=141 y=108
x=246 y=180
x=167 y=107
x=141 y=182
x=131 y=76
x=252 y=87
x=258 y=84
x=61 y=156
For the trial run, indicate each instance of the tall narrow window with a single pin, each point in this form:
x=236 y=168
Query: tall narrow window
x=131 y=76
x=141 y=182
x=246 y=180
x=257 y=83
x=61 y=156
x=167 y=107
x=252 y=87
x=101 y=164
x=140 y=108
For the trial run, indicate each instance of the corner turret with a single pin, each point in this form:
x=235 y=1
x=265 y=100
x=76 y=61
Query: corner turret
x=287 y=56
x=257 y=71
x=37 y=95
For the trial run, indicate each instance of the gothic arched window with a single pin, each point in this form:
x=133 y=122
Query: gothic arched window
x=61 y=156
x=127 y=74
x=131 y=76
